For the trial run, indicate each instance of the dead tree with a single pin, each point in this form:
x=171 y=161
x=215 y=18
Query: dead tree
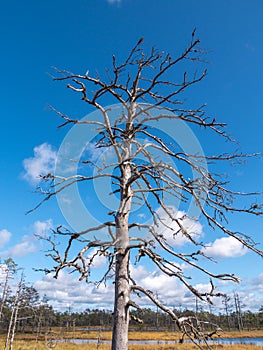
x=14 y=315
x=143 y=166
x=196 y=331
x=8 y=269
x=225 y=300
x=240 y=325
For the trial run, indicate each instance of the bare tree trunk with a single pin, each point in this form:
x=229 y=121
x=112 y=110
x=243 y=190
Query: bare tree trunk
x=122 y=287
x=13 y=319
x=9 y=329
x=146 y=160
x=238 y=312
x=14 y=327
x=121 y=307
x=39 y=323
x=9 y=270
x=4 y=293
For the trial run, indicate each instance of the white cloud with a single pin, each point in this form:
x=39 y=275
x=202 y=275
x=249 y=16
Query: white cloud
x=257 y=284
x=226 y=247
x=42 y=163
x=171 y=230
x=99 y=260
x=28 y=243
x=21 y=249
x=252 y=295
x=169 y=290
x=67 y=290
x=93 y=151
x=97 y=154
x=3 y=270
x=4 y=237
x=42 y=227
x=203 y=287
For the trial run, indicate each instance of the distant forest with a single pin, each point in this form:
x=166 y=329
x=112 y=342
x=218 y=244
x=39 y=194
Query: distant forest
x=34 y=314
x=23 y=310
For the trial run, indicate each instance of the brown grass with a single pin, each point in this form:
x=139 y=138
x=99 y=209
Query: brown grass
x=244 y=334
x=26 y=345
x=27 y=342
x=147 y=335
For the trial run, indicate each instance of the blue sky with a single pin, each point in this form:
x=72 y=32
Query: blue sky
x=83 y=35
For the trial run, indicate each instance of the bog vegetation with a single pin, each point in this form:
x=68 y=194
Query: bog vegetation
x=150 y=171
x=30 y=322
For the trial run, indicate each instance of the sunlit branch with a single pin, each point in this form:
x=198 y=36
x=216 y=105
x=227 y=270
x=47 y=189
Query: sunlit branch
x=144 y=168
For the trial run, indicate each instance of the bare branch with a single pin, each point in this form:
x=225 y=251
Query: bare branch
x=148 y=170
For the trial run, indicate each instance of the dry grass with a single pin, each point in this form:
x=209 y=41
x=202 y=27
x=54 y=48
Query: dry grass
x=28 y=345
x=27 y=342
x=244 y=334
x=147 y=335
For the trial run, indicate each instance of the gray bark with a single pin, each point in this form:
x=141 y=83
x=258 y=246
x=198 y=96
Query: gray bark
x=4 y=293
x=13 y=319
x=122 y=286
x=143 y=82
x=9 y=329
x=14 y=327
x=121 y=307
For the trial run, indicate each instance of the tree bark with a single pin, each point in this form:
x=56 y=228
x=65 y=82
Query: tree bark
x=9 y=329
x=14 y=327
x=122 y=286
x=121 y=306
x=4 y=293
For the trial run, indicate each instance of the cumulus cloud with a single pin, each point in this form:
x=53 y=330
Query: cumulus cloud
x=98 y=260
x=252 y=294
x=5 y=236
x=226 y=247
x=67 y=290
x=256 y=284
x=93 y=151
x=42 y=227
x=170 y=229
x=28 y=243
x=42 y=163
x=21 y=249
x=169 y=290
